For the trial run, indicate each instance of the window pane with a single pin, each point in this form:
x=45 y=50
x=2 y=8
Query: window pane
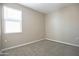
x=12 y=14
x=12 y=27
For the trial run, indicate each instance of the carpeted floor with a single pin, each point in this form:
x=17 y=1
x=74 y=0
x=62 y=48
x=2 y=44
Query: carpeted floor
x=44 y=48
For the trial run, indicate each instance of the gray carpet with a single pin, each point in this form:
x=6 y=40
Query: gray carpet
x=44 y=48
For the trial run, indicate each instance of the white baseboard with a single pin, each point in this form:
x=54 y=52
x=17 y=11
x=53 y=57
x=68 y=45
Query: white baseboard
x=62 y=42
x=37 y=41
x=20 y=45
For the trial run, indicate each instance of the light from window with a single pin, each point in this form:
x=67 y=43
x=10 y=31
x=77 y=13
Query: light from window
x=12 y=20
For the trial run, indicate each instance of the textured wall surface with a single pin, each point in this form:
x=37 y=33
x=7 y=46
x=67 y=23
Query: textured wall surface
x=63 y=25
x=32 y=27
x=0 y=25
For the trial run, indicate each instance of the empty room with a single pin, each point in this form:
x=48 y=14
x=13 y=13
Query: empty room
x=39 y=29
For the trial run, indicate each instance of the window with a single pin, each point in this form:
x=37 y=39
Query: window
x=12 y=20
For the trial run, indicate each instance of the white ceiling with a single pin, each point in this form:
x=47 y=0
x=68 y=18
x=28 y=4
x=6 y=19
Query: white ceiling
x=46 y=7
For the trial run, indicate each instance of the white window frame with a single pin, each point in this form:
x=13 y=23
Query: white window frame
x=5 y=20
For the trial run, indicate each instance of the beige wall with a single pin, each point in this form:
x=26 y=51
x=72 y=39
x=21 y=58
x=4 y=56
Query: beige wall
x=32 y=26
x=63 y=25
